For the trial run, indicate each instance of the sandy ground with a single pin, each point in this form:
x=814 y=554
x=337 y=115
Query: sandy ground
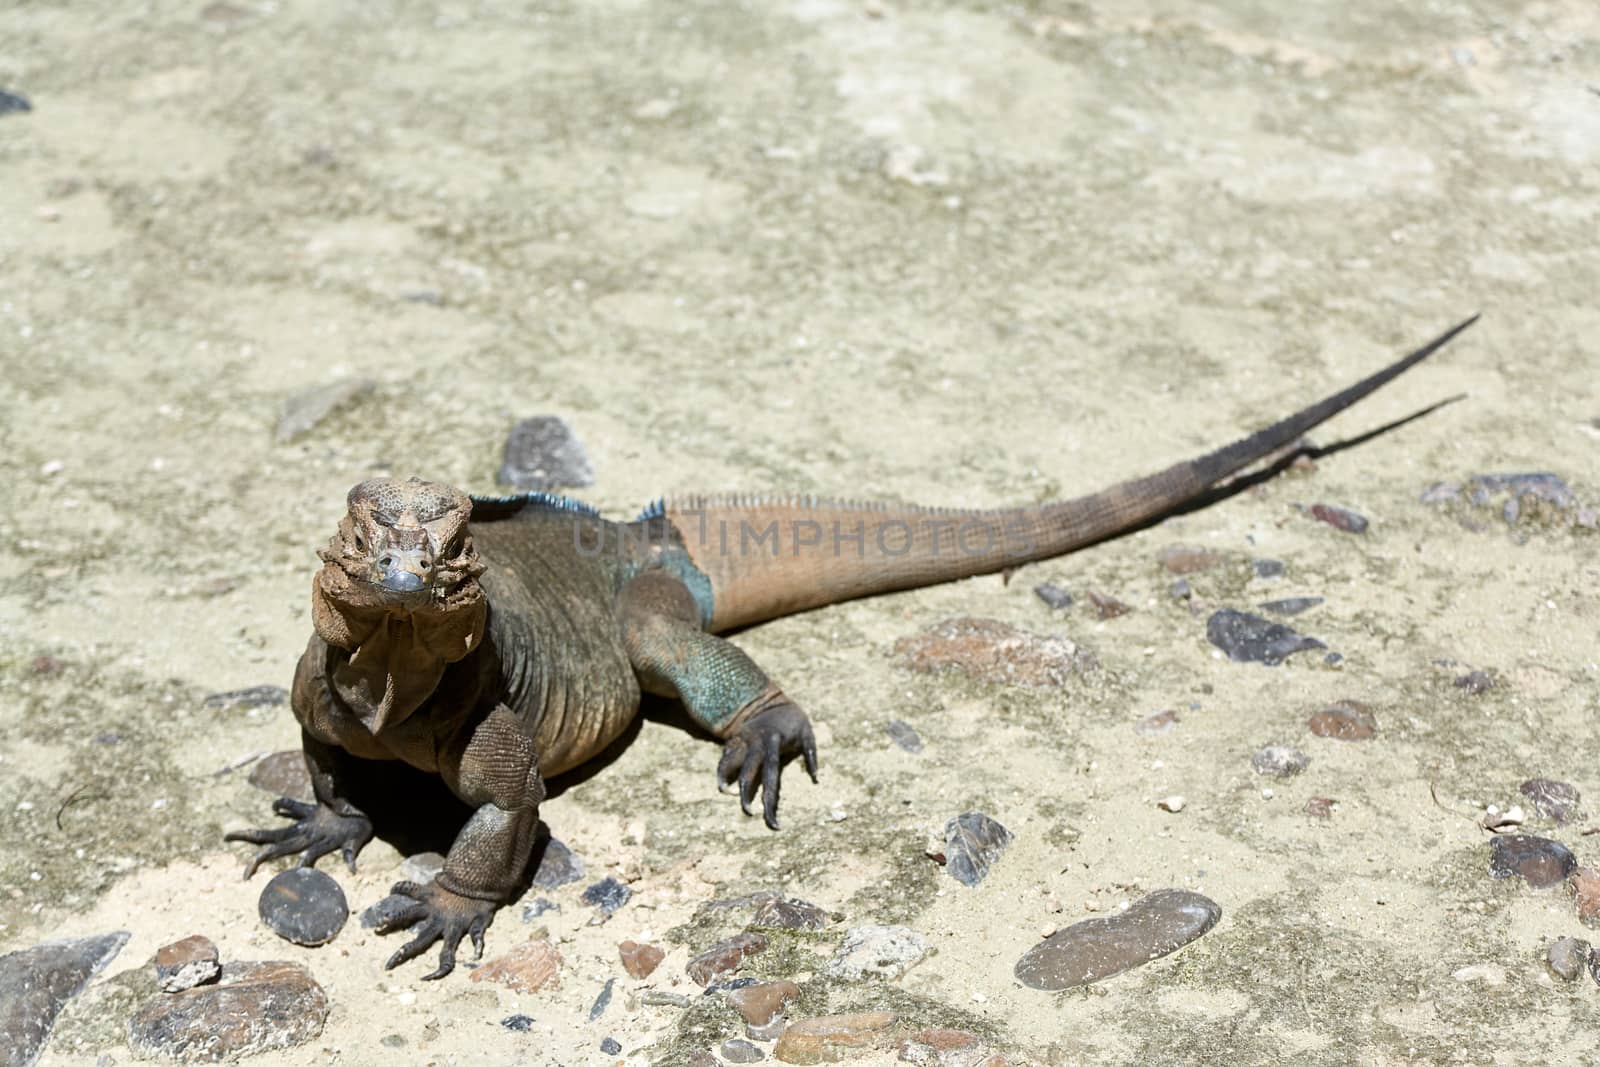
x=957 y=253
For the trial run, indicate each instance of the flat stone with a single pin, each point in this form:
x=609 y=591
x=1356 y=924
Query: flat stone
x=610 y=1046
x=1554 y=800
x=768 y=1031
x=1347 y=720
x=1153 y=926
x=789 y=914
x=994 y=652
x=1190 y=559
x=640 y=960
x=256 y=696
x=283 y=774
x=1584 y=885
x=420 y=867
x=973 y=841
x=724 y=957
x=828 y=1037
x=1267 y=568
x=36 y=983
x=1293 y=605
x=13 y=103
x=1249 y=638
x=517 y=1024
x=1055 y=597
x=543 y=453
x=527 y=968
x=903 y=735
x=602 y=1001
x=186 y=964
x=874 y=951
x=1279 y=761
x=253 y=1008
x=304 y=410
x=760 y=1003
x=558 y=866
x=304 y=905
x=738 y=1050
x=939 y=1047
x=662 y=998
x=1340 y=518
x=1107 y=606
x=1538 y=861
x=1567 y=957
x=608 y=895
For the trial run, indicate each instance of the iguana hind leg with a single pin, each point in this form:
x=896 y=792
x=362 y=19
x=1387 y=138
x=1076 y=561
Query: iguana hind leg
x=720 y=686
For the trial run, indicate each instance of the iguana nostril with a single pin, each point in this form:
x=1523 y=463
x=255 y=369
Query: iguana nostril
x=386 y=562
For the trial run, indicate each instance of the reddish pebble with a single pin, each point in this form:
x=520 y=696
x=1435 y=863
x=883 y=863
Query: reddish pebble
x=1538 y=861
x=1320 y=807
x=724 y=957
x=759 y=1003
x=1344 y=721
x=1187 y=559
x=640 y=960
x=1340 y=518
x=1157 y=722
x=1584 y=884
x=1107 y=607
x=823 y=1039
x=528 y=968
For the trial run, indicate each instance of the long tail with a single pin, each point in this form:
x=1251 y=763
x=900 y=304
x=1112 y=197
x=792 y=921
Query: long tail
x=767 y=557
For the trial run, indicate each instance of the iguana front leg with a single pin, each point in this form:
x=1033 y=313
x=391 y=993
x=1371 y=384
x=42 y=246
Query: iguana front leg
x=720 y=686
x=493 y=765
x=332 y=823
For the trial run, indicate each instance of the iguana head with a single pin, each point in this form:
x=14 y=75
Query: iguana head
x=402 y=551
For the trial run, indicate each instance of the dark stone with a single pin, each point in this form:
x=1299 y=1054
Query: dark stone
x=1538 y=861
x=1567 y=957
x=602 y=1002
x=1340 y=518
x=1279 y=761
x=537 y=907
x=729 y=985
x=304 y=905
x=303 y=411
x=256 y=696
x=972 y=842
x=13 y=103
x=1154 y=926
x=1181 y=589
x=1107 y=607
x=558 y=866
x=738 y=1050
x=1057 y=598
x=517 y=1024
x=724 y=957
x=608 y=895
x=384 y=913
x=610 y=1046
x=903 y=735
x=789 y=914
x=186 y=964
x=1345 y=721
x=1554 y=800
x=254 y=1008
x=283 y=774
x=1541 y=486
x=542 y=453
x=1249 y=638
x=1267 y=568
x=1293 y=605
x=1475 y=682
x=37 y=982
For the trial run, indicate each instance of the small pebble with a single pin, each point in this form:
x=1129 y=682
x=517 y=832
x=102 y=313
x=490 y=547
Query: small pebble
x=973 y=842
x=1566 y=957
x=13 y=103
x=771 y=1031
x=1279 y=761
x=1267 y=568
x=610 y=1046
x=1320 y=807
x=724 y=957
x=1584 y=885
x=1293 y=605
x=661 y=998
x=873 y=951
x=788 y=914
x=608 y=895
x=738 y=1050
x=1475 y=682
x=537 y=907
x=1174 y=803
x=1538 y=861
x=304 y=905
x=825 y=1038
x=1158 y=722
x=640 y=960
x=1249 y=638
x=283 y=774
x=1345 y=721
x=558 y=866
x=1154 y=926
x=517 y=1024
x=1340 y=518
x=1554 y=800
x=186 y=964
x=422 y=868
x=760 y=1002
x=527 y=968
x=903 y=735
x=603 y=1001
x=1107 y=607
x=1055 y=597
x=701 y=1058
x=1188 y=559
x=1180 y=589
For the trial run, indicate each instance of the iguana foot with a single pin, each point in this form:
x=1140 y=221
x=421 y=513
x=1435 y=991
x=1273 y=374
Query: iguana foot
x=445 y=916
x=316 y=831
x=756 y=749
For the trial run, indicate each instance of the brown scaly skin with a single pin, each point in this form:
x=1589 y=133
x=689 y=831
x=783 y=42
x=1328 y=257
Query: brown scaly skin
x=494 y=654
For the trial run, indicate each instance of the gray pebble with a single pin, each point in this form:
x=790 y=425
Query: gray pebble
x=903 y=735
x=1249 y=638
x=1554 y=800
x=610 y=1046
x=608 y=895
x=1267 y=568
x=543 y=453
x=873 y=951
x=972 y=842
x=1279 y=761
x=36 y=983
x=304 y=905
x=422 y=868
x=1340 y=518
x=13 y=103
x=1057 y=598
x=1154 y=926
x=1293 y=605
x=538 y=907
x=1567 y=957
x=602 y=1002
x=558 y=866
x=256 y=696
x=517 y=1024
x=1475 y=682
x=661 y=998
x=738 y=1050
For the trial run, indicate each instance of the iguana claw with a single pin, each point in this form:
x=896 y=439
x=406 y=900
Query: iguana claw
x=444 y=916
x=756 y=751
x=316 y=831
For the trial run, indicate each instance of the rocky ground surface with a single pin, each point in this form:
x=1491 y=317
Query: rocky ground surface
x=1328 y=745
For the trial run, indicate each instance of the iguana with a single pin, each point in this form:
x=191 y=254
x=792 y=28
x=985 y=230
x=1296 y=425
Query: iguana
x=497 y=651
